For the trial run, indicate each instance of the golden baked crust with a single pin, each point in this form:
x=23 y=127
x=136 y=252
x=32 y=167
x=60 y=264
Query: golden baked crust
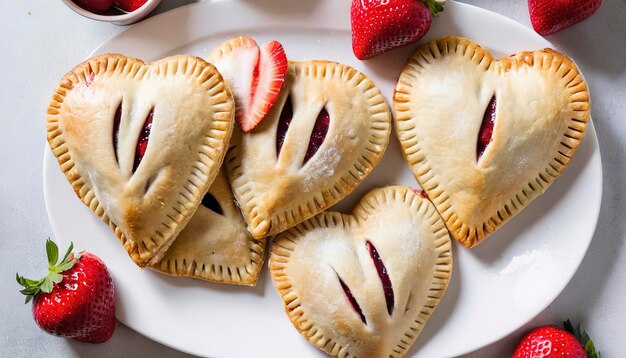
x=277 y=192
x=216 y=246
x=193 y=120
x=311 y=262
x=542 y=108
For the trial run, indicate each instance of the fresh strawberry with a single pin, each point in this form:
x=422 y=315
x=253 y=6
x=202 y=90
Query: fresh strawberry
x=95 y=5
x=255 y=76
x=76 y=299
x=554 y=342
x=129 y=5
x=381 y=25
x=550 y=16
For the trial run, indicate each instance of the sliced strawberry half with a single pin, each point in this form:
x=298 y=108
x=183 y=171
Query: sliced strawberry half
x=255 y=76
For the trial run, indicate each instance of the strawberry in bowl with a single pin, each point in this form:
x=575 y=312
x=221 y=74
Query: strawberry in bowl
x=119 y=12
x=110 y=7
x=99 y=6
x=76 y=299
x=129 y=5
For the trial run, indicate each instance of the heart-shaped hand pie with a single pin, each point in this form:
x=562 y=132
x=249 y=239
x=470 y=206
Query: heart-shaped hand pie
x=484 y=137
x=141 y=142
x=364 y=285
x=327 y=130
x=216 y=245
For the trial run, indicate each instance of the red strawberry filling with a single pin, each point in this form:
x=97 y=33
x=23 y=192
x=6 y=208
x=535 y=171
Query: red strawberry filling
x=209 y=202
x=353 y=302
x=420 y=192
x=486 y=128
x=89 y=79
x=116 y=129
x=383 y=275
x=286 y=115
x=318 y=135
x=142 y=143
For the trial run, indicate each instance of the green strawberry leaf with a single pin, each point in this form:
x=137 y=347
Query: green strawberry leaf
x=34 y=283
x=31 y=288
x=26 y=291
x=583 y=338
x=591 y=349
x=46 y=286
x=56 y=277
x=66 y=266
x=52 y=251
x=68 y=252
x=434 y=6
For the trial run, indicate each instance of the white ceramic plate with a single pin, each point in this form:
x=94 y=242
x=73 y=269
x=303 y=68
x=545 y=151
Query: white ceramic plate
x=496 y=287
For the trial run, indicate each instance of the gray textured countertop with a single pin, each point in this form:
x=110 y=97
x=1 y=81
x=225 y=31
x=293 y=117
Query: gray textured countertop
x=40 y=37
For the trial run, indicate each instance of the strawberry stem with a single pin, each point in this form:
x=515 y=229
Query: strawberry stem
x=435 y=6
x=54 y=276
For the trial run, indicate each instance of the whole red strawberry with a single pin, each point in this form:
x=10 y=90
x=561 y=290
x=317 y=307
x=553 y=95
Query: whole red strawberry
x=381 y=25
x=129 y=5
x=76 y=299
x=550 y=16
x=554 y=342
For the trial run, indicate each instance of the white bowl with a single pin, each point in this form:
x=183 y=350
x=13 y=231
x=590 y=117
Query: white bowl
x=124 y=19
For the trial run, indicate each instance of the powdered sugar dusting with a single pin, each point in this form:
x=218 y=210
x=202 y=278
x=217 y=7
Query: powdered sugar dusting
x=403 y=230
x=334 y=246
x=321 y=166
x=413 y=239
x=325 y=248
x=521 y=164
x=351 y=133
